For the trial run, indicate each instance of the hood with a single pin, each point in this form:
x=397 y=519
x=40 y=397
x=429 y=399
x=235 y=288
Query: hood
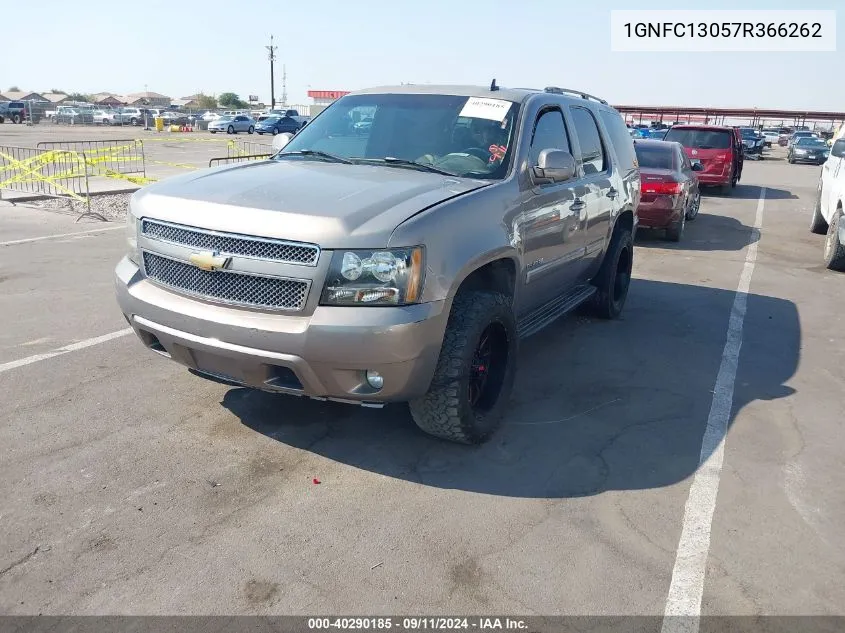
x=329 y=204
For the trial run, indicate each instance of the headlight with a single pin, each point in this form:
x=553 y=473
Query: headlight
x=132 y=237
x=382 y=277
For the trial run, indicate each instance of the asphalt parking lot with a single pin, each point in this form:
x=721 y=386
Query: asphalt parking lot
x=131 y=486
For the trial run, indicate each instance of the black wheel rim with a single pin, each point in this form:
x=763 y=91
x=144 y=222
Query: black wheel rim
x=622 y=279
x=488 y=368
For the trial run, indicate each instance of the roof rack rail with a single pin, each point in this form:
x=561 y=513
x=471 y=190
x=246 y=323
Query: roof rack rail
x=583 y=95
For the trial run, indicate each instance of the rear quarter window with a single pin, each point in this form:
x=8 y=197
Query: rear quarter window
x=621 y=139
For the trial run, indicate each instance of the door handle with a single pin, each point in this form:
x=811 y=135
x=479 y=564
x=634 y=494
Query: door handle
x=577 y=205
x=612 y=193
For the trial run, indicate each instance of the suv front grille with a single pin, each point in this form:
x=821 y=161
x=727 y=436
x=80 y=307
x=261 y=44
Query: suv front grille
x=232 y=244
x=274 y=293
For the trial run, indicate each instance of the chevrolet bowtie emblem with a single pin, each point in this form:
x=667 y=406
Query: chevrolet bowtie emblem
x=209 y=261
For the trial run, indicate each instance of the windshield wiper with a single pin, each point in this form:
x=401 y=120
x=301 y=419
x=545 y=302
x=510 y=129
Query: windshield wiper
x=392 y=160
x=314 y=152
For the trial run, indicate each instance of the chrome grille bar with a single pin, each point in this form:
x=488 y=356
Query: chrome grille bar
x=232 y=243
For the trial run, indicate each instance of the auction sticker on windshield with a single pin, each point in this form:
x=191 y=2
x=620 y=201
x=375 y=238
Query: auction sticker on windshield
x=492 y=109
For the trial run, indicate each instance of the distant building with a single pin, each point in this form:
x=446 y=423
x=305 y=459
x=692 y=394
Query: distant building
x=107 y=99
x=55 y=97
x=325 y=97
x=22 y=96
x=148 y=98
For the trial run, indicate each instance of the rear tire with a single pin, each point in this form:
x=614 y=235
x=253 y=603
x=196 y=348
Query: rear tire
x=694 y=207
x=818 y=224
x=676 y=231
x=834 y=251
x=471 y=388
x=250 y=130
x=614 y=277
x=16 y=118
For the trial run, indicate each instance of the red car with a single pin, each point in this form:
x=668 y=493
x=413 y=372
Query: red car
x=717 y=147
x=669 y=187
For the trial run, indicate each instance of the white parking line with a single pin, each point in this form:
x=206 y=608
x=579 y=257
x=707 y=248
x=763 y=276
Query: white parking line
x=64 y=350
x=683 y=604
x=54 y=237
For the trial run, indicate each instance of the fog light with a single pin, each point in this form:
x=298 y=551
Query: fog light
x=375 y=379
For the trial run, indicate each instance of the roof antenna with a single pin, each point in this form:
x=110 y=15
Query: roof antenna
x=493 y=86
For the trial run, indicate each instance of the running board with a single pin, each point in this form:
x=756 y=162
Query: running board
x=551 y=311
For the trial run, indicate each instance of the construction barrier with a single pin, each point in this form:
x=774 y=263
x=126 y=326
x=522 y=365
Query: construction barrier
x=237 y=147
x=114 y=158
x=46 y=172
x=226 y=160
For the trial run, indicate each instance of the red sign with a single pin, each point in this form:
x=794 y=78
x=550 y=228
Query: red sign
x=327 y=94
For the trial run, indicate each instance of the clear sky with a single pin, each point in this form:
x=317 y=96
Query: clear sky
x=179 y=48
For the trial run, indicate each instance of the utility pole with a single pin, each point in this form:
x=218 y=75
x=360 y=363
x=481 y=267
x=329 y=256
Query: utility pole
x=271 y=50
x=284 y=85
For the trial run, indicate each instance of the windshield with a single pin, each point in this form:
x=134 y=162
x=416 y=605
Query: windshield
x=654 y=157
x=227 y=117
x=700 y=139
x=749 y=132
x=810 y=142
x=465 y=136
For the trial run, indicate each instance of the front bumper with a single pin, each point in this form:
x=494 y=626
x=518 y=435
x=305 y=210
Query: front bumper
x=323 y=355
x=808 y=160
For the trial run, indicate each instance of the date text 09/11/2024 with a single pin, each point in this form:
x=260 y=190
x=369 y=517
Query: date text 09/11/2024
x=481 y=624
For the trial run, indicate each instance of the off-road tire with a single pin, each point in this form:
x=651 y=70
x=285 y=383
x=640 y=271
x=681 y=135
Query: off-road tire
x=818 y=224
x=606 y=303
x=676 y=230
x=834 y=251
x=445 y=410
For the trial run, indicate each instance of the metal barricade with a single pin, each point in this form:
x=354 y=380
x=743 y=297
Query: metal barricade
x=110 y=157
x=226 y=160
x=247 y=148
x=45 y=172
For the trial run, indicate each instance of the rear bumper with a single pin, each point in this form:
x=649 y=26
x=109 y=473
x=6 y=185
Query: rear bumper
x=659 y=213
x=324 y=355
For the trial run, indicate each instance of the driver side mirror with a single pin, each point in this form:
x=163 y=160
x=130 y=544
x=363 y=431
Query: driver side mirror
x=838 y=149
x=553 y=165
x=280 y=140
x=697 y=166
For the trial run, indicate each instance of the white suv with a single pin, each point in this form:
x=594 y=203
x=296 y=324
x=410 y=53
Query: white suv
x=830 y=205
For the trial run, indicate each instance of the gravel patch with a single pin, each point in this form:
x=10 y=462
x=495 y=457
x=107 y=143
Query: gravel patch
x=112 y=206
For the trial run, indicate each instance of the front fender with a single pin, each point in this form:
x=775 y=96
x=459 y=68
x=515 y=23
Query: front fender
x=461 y=235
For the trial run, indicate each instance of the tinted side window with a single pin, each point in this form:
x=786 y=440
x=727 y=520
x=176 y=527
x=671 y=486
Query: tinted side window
x=549 y=133
x=592 y=157
x=620 y=136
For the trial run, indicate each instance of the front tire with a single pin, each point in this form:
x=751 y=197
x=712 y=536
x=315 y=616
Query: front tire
x=230 y=130
x=614 y=276
x=475 y=371
x=834 y=251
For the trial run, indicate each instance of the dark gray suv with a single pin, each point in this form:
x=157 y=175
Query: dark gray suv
x=399 y=261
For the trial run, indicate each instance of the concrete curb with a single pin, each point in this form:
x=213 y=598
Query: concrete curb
x=93 y=194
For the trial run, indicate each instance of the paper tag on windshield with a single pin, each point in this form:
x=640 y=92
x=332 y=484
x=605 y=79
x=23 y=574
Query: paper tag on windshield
x=491 y=109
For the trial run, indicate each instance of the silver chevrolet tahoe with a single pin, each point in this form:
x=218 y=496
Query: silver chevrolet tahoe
x=394 y=250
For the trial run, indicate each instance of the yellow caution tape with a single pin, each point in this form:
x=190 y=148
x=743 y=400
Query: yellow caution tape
x=31 y=167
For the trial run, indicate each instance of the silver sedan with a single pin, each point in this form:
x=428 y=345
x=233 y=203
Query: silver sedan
x=232 y=124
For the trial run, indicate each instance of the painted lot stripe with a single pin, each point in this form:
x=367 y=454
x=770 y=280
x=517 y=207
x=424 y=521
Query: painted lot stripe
x=683 y=604
x=55 y=237
x=64 y=350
